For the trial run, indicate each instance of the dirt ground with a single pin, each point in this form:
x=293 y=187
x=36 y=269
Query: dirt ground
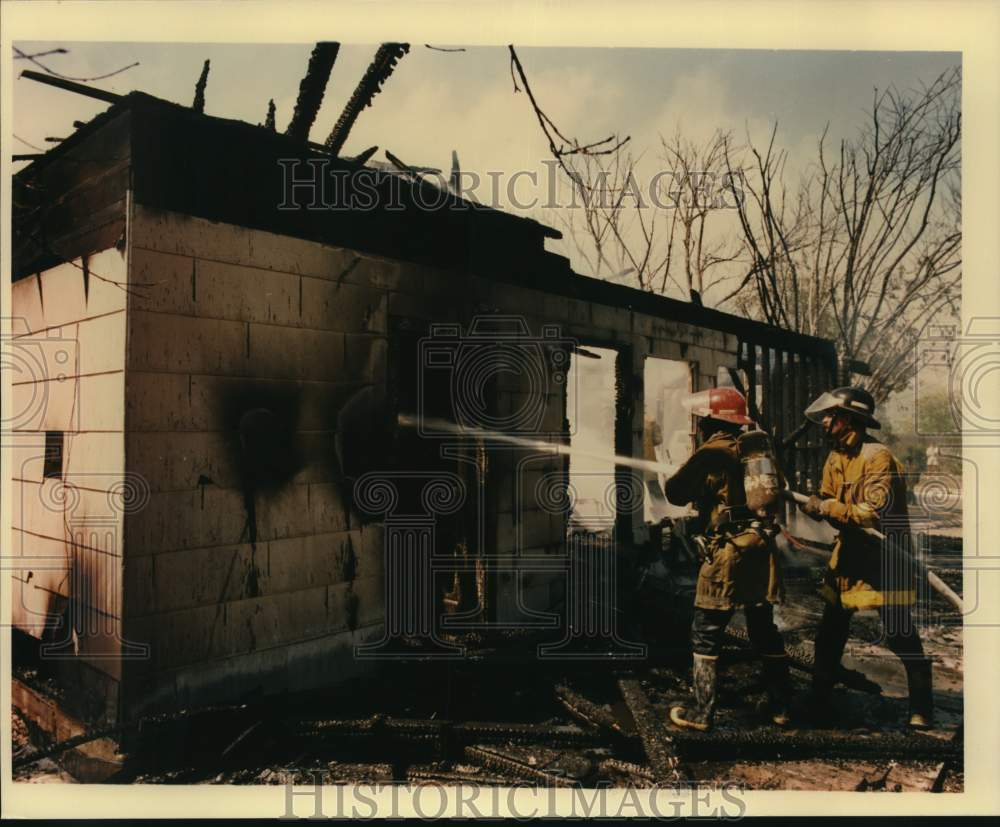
x=496 y=718
x=862 y=713
x=861 y=776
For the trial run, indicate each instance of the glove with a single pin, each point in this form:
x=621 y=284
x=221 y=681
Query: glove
x=702 y=547
x=813 y=507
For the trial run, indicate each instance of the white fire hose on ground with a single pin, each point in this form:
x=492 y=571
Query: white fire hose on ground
x=936 y=582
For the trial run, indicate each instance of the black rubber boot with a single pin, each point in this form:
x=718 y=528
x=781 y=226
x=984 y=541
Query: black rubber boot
x=700 y=714
x=831 y=638
x=815 y=708
x=918 y=679
x=779 y=689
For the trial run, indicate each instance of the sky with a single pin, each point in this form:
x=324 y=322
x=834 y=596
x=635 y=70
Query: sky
x=436 y=102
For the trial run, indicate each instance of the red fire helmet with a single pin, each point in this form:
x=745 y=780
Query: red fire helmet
x=726 y=404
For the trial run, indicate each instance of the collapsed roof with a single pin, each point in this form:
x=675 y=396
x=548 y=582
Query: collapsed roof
x=72 y=201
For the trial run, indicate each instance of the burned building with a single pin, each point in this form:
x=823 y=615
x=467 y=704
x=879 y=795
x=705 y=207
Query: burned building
x=259 y=441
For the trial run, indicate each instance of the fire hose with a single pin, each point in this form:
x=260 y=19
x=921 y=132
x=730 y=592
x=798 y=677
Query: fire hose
x=936 y=582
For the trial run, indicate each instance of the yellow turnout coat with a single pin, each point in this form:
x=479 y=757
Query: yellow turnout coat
x=866 y=489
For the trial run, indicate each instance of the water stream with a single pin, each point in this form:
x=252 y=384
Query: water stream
x=446 y=426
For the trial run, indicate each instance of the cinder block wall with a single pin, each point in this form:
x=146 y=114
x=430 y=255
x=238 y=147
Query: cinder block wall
x=529 y=527
x=239 y=578
x=236 y=583
x=67 y=360
x=223 y=320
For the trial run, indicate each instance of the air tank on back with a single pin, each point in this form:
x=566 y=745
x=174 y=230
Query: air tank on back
x=762 y=479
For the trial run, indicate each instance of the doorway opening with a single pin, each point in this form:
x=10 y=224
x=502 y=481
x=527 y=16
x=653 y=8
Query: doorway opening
x=668 y=430
x=591 y=412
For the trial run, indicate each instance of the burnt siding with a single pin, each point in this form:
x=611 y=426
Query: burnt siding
x=72 y=202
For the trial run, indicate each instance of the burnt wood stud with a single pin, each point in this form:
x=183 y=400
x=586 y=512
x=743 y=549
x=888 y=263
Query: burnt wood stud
x=72 y=86
x=199 y=90
x=378 y=72
x=311 y=90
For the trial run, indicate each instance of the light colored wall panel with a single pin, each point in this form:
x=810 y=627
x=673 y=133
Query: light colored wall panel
x=42 y=562
x=46 y=406
x=94 y=453
x=101 y=343
x=27 y=455
x=63 y=298
x=38 y=507
x=101 y=402
x=27 y=315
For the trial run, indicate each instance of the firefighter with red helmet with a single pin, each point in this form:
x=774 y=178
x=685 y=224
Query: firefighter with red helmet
x=863 y=488
x=740 y=567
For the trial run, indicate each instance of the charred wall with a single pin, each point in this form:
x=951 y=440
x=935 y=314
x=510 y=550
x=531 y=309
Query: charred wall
x=73 y=201
x=243 y=579
x=246 y=570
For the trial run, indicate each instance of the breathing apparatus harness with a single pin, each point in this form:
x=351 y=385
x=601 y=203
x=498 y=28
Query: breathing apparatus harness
x=762 y=489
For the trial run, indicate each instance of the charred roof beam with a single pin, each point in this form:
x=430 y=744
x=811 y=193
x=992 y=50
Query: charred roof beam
x=72 y=86
x=311 y=90
x=198 y=105
x=379 y=70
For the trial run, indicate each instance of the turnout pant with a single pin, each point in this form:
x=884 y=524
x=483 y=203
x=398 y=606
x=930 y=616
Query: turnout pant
x=707 y=632
x=899 y=635
x=709 y=628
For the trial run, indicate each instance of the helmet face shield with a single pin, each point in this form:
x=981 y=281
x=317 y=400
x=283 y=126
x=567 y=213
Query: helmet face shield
x=824 y=403
x=855 y=402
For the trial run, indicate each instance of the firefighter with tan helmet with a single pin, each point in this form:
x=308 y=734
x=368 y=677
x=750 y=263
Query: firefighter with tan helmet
x=734 y=483
x=863 y=488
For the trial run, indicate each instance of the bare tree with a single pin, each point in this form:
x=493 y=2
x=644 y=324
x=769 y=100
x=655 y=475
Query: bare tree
x=866 y=248
x=560 y=146
x=602 y=226
x=698 y=176
x=654 y=229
